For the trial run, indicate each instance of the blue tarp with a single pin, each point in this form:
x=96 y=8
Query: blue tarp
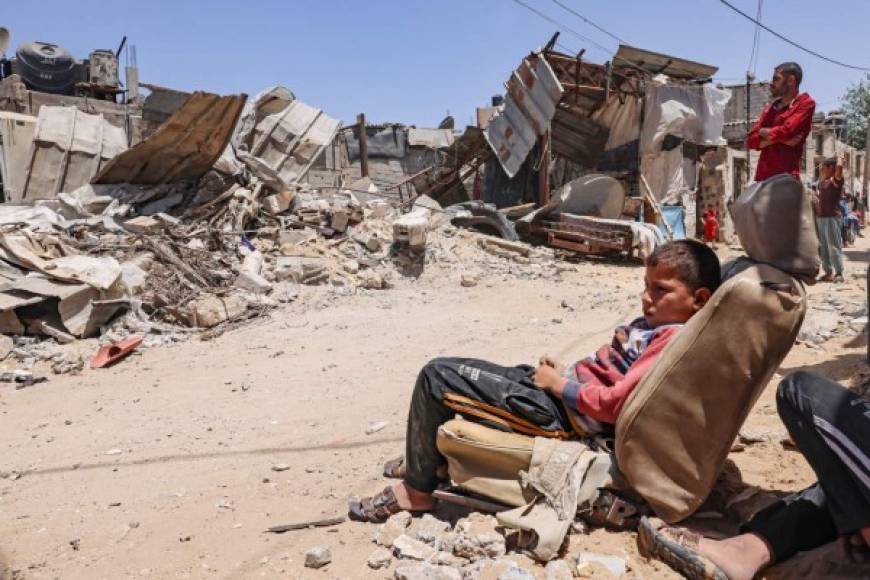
x=674 y=214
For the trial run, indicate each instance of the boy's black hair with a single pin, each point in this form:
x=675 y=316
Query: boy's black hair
x=793 y=69
x=697 y=265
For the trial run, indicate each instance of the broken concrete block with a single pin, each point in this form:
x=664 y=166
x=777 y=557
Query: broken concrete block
x=252 y=283
x=253 y=263
x=369 y=241
x=350 y=266
x=477 y=537
x=410 y=229
x=371 y=280
x=6 y=346
x=558 y=570
x=317 y=557
x=591 y=565
x=278 y=203
x=144 y=225
x=394 y=527
x=340 y=219
x=502 y=247
x=300 y=270
x=430 y=528
x=380 y=558
x=407 y=548
x=378 y=209
x=212 y=310
x=427 y=571
x=296 y=237
x=469 y=280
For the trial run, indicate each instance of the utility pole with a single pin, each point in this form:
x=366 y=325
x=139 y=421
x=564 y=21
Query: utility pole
x=363 y=146
x=866 y=172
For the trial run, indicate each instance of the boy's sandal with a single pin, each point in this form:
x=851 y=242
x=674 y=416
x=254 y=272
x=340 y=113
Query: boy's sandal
x=678 y=548
x=395 y=468
x=376 y=509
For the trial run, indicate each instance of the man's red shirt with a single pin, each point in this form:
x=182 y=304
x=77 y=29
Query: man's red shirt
x=786 y=124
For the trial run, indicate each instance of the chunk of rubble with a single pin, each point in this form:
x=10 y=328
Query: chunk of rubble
x=394 y=527
x=371 y=280
x=558 y=570
x=211 y=310
x=427 y=571
x=380 y=558
x=477 y=537
x=410 y=229
x=6 y=346
x=430 y=528
x=300 y=270
x=592 y=565
x=317 y=557
x=252 y=282
x=407 y=548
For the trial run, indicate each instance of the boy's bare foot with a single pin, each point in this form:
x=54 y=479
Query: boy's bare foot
x=412 y=500
x=740 y=557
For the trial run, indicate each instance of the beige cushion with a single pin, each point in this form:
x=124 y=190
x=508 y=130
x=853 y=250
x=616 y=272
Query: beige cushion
x=485 y=461
x=677 y=427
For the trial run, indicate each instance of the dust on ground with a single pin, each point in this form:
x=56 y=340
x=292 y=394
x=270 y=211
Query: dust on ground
x=162 y=466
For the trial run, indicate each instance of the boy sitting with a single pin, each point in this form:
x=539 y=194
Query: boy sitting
x=584 y=399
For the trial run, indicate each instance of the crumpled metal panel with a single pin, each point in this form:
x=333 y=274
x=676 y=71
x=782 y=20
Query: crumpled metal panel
x=432 y=138
x=288 y=140
x=181 y=149
x=533 y=91
x=69 y=148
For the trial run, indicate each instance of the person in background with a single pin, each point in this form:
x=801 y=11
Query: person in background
x=829 y=220
x=783 y=126
x=711 y=227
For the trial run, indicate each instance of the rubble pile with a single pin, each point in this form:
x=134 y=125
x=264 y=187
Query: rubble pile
x=162 y=243
x=474 y=548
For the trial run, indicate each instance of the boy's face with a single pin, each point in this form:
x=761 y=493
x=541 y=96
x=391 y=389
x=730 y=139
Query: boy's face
x=667 y=299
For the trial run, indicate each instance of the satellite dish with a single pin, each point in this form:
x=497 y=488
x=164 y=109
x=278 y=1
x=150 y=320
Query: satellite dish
x=4 y=40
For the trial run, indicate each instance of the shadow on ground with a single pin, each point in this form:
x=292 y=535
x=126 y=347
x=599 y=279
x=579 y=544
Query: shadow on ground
x=839 y=368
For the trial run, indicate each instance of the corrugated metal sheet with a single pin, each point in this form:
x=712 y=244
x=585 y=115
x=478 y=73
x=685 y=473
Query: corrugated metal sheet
x=69 y=148
x=432 y=138
x=657 y=63
x=183 y=148
x=291 y=139
x=16 y=139
x=532 y=94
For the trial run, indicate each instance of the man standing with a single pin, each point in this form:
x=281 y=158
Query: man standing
x=829 y=220
x=783 y=126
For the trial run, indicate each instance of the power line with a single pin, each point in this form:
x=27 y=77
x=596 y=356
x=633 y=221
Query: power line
x=562 y=26
x=589 y=22
x=791 y=42
x=756 y=42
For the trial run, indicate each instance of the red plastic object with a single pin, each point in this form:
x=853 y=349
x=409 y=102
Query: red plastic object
x=112 y=353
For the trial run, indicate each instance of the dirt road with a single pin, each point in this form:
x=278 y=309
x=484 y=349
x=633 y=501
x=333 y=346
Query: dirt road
x=165 y=465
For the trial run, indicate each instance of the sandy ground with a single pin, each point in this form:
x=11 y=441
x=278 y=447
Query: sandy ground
x=161 y=467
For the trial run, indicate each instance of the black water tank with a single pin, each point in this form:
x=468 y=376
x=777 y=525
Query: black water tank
x=46 y=67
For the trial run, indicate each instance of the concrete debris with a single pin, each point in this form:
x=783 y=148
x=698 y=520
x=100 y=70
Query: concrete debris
x=407 y=548
x=211 y=310
x=6 y=346
x=317 y=557
x=380 y=558
x=477 y=537
x=410 y=229
x=427 y=571
x=612 y=566
x=394 y=527
x=469 y=280
x=375 y=427
x=558 y=570
x=430 y=528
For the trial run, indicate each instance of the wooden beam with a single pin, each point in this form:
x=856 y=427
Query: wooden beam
x=363 y=145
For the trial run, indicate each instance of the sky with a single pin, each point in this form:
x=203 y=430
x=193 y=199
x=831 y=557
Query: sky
x=413 y=61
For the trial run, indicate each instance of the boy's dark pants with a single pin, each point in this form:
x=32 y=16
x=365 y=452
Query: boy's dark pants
x=509 y=388
x=831 y=427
